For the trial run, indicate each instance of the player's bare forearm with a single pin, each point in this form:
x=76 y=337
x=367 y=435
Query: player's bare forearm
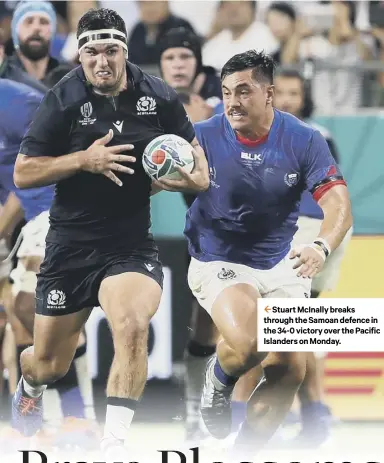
x=33 y=172
x=10 y=215
x=337 y=211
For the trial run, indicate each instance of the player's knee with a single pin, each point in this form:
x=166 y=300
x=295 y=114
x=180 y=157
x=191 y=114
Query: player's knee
x=129 y=329
x=246 y=351
x=49 y=365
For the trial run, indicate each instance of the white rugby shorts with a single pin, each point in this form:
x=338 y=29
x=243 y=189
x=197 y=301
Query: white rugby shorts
x=5 y=266
x=34 y=234
x=207 y=279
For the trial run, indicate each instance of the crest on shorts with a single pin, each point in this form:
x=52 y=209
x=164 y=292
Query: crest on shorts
x=86 y=111
x=56 y=299
x=226 y=274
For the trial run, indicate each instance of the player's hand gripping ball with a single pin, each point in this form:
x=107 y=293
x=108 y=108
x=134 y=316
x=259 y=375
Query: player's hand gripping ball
x=164 y=154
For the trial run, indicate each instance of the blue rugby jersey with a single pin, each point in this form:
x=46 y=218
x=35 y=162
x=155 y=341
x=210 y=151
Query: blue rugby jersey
x=248 y=215
x=18 y=104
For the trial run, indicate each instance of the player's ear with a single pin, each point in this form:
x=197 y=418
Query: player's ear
x=270 y=94
x=80 y=60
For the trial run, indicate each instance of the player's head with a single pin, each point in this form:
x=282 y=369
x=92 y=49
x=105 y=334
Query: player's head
x=292 y=94
x=180 y=57
x=247 y=83
x=33 y=27
x=103 y=50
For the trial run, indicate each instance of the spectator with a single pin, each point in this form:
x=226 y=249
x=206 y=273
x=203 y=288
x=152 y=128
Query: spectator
x=182 y=68
x=33 y=28
x=283 y=23
x=10 y=71
x=75 y=11
x=342 y=44
x=378 y=33
x=156 y=20
x=241 y=33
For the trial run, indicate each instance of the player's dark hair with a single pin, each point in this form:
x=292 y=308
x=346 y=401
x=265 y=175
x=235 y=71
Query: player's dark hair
x=308 y=105
x=100 y=18
x=262 y=65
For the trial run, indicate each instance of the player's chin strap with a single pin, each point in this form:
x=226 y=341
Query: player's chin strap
x=102 y=36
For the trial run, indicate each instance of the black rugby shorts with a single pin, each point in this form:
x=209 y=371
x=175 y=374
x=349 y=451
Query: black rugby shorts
x=70 y=278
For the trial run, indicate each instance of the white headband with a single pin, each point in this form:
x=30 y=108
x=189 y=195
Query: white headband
x=102 y=36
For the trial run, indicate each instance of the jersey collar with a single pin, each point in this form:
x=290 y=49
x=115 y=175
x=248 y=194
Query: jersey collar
x=271 y=134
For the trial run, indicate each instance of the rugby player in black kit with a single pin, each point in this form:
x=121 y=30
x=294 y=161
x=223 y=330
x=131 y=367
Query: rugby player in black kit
x=99 y=250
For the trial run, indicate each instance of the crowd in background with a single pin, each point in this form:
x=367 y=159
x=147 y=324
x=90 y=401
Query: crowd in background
x=338 y=45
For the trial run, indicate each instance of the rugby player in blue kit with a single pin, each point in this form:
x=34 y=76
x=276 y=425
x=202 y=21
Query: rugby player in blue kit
x=239 y=234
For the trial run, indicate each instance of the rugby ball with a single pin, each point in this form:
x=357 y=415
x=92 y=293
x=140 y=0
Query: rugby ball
x=163 y=154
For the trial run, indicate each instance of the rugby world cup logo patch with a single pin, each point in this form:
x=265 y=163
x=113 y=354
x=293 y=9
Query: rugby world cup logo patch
x=86 y=111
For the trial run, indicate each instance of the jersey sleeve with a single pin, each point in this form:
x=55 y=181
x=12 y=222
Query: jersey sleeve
x=176 y=120
x=321 y=171
x=23 y=110
x=48 y=133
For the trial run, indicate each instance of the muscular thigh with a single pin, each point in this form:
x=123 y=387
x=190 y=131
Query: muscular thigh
x=235 y=313
x=129 y=294
x=207 y=280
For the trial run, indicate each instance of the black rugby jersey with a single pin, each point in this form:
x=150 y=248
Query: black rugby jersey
x=89 y=208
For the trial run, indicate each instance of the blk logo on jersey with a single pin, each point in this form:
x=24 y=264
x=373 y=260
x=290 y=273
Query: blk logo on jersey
x=252 y=158
x=291 y=179
x=146 y=105
x=226 y=274
x=56 y=299
x=86 y=111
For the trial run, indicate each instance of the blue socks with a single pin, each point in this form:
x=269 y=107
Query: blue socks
x=225 y=379
x=239 y=414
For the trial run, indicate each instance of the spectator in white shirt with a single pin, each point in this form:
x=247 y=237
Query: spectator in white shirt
x=242 y=33
x=336 y=90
